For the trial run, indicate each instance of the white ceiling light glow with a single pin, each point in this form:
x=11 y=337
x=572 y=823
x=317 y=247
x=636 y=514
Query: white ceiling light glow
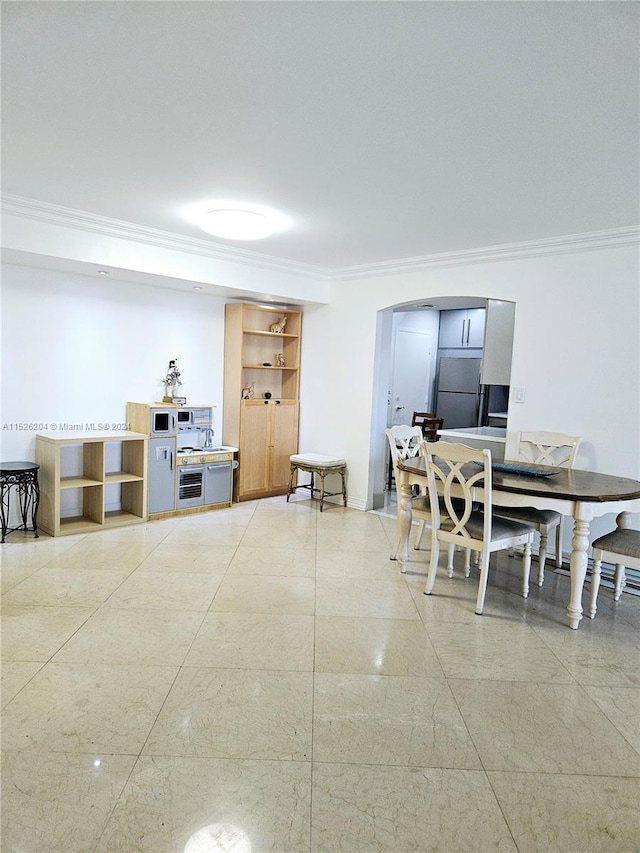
x=233 y=221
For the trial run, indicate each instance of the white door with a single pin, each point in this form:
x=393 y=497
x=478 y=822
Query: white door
x=411 y=384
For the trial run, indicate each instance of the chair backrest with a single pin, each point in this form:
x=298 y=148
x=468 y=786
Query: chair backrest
x=428 y=423
x=453 y=471
x=404 y=443
x=547 y=448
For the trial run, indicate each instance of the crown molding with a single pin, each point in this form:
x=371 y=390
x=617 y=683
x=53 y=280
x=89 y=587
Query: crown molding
x=587 y=241
x=80 y=220
x=42 y=211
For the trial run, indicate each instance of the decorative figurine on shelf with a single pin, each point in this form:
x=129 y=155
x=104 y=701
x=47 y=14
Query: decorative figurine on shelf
x=280 y=359
x=248 y=392
x=171 y=382
x=279 y=326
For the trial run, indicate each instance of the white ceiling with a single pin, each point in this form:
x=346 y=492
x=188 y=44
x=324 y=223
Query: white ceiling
x=385 y=130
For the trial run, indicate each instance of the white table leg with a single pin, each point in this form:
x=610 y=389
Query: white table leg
x=578 y=563
x=404 y=521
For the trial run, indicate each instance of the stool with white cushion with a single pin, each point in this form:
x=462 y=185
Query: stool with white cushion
x=317 y=463
x=622 y=547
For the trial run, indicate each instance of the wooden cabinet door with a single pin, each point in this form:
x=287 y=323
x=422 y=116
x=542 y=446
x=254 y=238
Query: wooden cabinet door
x=283 y=441
x=254 y=448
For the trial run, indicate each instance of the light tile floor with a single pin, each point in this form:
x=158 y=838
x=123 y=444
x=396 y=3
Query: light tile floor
x=263 y=678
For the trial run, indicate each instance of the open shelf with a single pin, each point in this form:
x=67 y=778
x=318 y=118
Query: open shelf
x=121 y=477
x=119 y=518
x=78 y=524
x=258 y=362
x=77 y=482
x=75 y=464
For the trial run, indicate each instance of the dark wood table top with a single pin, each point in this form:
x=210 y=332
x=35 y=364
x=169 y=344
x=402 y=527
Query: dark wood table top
x=573 y=485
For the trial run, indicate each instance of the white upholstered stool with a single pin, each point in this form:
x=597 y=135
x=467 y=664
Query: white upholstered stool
x=316 y=463
x=622 y=547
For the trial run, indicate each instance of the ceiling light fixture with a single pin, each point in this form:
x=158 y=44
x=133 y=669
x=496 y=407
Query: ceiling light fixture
x=103 y=272
x=236 y=224
x=236 y=221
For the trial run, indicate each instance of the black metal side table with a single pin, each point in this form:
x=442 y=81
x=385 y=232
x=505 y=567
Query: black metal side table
x=24 y=477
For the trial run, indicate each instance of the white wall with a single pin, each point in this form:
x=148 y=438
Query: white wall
x=76 y=349
x=576 y=352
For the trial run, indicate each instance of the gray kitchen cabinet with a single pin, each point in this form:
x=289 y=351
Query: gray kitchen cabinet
x=462 y=328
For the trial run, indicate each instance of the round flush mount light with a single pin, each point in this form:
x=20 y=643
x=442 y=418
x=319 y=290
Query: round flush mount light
x=233 y=221
x=236 y=224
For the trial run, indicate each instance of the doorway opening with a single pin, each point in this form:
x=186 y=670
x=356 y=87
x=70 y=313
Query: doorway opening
x=421 y=347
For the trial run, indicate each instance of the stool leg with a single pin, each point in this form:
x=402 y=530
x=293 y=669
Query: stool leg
x=291 y=489
x=35 y=503
x=4 y=508
x=322 y=476
x=344 y=489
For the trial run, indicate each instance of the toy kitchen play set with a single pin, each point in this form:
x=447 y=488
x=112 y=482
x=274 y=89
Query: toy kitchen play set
x=187 y=470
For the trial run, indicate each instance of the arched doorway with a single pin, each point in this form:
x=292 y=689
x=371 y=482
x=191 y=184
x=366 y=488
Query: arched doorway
x=406 y=329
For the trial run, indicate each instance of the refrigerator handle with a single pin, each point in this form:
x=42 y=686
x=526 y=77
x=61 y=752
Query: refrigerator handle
x=171 y=466
x=468 y=330
x=462 y=338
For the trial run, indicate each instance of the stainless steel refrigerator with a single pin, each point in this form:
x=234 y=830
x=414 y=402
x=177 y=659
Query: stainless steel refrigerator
x=458 y=392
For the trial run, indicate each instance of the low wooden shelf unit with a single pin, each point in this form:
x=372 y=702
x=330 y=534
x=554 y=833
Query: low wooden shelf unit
x=94 y=471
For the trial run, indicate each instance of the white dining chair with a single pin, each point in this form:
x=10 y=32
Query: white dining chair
x=622 y=547
x=460 y=476
x=404 y=443
x=542 y=448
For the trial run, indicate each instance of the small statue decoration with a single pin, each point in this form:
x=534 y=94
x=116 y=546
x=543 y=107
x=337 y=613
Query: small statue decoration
x=279 y=326
x=171 y=381
x=280 y=359
x=248 y=392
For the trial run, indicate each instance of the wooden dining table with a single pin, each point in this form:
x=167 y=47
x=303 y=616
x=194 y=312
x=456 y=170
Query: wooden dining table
x=584 y=495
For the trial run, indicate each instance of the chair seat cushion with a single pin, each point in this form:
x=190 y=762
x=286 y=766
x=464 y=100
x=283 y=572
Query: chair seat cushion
x=624 y=542
x=528 y=514
x=420 y=504
x=500 y=527
x=317 y=460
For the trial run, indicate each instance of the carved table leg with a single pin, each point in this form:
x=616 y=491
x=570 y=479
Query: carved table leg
x=404 y=521
x=578 y=564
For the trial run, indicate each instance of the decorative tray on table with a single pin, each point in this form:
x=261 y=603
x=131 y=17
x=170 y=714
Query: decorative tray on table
x=521 y=468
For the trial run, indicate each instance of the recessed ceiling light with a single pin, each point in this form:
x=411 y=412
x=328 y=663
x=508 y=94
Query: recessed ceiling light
x=103 y=272
x=236 y=221
x=195 y=287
